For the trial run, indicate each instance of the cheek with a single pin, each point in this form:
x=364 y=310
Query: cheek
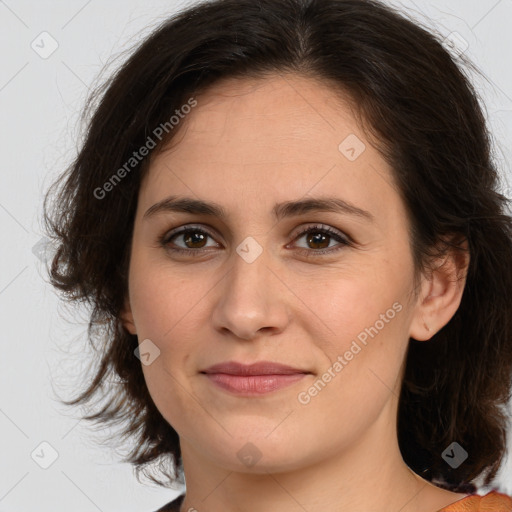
x=166 y=309
x=364 y=338
x=160 y=298
x=344 y=308
x=362 y=369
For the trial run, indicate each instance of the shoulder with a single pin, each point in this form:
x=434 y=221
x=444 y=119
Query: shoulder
x=172 y=506
x=491 y=502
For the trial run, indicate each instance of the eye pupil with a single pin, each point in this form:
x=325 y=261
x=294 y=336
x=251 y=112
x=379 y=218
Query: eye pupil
x=194 y=237
x=318 y=238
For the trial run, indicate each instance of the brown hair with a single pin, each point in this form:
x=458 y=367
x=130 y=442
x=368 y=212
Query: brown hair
x=425 y=117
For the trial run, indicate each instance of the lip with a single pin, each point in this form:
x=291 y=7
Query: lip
x=253 y=379
x=258 y=368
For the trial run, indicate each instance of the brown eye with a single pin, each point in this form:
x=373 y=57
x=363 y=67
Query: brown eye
x=191 y=240
x=196 y=239
x=318 y=239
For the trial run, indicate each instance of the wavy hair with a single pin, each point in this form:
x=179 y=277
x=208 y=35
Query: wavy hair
x=415 y=101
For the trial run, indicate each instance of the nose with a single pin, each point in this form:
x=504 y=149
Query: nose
x=252 y=300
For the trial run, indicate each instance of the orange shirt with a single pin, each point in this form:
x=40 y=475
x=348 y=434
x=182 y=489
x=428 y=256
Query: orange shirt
x=491 y=502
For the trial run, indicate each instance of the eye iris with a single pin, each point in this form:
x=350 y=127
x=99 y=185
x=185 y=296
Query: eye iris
x=197 y=239
x=318 y=238
x=194 y=237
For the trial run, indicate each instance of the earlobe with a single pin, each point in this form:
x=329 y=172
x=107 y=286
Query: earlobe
x=126 y=318
x=441 y=294
x=422 y=325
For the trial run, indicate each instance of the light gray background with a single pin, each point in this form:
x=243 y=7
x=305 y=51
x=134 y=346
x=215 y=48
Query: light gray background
x=42 y=353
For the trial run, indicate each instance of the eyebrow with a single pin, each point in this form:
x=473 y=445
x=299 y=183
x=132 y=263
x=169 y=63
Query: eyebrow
x=280 y=210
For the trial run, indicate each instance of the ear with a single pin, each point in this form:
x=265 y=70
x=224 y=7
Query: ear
x=126 y=317
x=441 y=293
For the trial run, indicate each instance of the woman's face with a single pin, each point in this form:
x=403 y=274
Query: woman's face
x=255 y=286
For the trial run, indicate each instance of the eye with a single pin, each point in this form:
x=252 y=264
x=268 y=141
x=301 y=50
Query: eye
x=320 y=235
x=195 y=240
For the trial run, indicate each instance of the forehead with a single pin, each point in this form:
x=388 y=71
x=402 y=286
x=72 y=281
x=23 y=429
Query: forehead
x=284 y=107
x=284 y=135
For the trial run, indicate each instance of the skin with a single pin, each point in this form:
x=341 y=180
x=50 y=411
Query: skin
x=247 y=145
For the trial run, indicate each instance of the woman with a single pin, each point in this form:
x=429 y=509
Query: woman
x=286 y=215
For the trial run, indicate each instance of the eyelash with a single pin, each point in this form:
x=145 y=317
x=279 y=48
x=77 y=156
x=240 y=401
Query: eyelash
x=165 y=239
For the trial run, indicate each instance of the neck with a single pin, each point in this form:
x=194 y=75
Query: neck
x=370 y=474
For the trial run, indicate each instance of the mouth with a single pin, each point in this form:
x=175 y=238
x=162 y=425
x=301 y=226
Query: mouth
x=253 y=379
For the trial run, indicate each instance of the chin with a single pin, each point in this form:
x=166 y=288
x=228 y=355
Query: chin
x=256 y=453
